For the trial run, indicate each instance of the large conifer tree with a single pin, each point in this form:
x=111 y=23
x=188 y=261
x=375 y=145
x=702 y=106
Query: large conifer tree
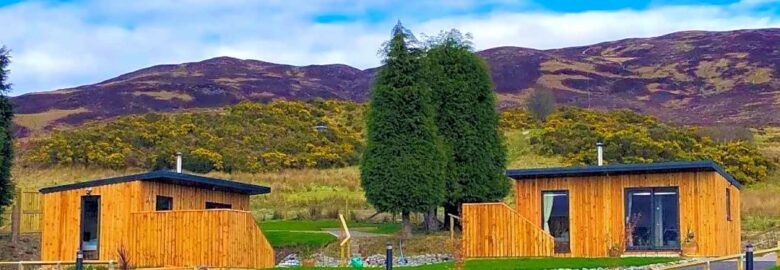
x=467 y=121
x=6 y=138
x=401 y=169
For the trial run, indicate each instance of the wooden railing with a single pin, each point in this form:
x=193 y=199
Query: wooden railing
x=209 y=238
x=57 y=264
x=738 y=257
x=496 y=230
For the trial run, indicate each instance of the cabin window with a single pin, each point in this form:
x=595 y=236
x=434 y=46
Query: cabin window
x=213 y=205
x=728 y=204
x=555 y=218
x=164 y=203
x=652 y=218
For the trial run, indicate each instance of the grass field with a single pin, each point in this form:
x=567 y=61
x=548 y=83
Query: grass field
x=319 y=225
x=311 y=234
x=299 y=239
x=544 y=263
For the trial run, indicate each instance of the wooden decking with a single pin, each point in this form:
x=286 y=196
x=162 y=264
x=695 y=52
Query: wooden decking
x=495 y=230
x=210 y=238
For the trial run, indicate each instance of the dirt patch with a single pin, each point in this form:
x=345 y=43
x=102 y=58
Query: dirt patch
x=28 y=248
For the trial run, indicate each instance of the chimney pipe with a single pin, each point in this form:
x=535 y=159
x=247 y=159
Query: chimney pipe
x=178 y=162
x=600 y=154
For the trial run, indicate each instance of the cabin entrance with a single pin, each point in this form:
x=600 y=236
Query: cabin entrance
x=652 y=218
x=555 y=218
x=90 y=227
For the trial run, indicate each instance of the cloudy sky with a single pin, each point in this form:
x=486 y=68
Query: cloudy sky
x=59 y=44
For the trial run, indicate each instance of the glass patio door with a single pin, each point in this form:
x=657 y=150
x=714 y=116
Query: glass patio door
x=652 y=218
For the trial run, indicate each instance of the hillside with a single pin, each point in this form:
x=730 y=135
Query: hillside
x=693 y=77
x=310 y=169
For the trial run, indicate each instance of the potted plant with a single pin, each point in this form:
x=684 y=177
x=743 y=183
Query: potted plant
x=615 y=250
x=689 y=246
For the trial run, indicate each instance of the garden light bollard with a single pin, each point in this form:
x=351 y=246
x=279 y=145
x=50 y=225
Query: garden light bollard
x=79 y=260
x=389 y=256
x=749 y=256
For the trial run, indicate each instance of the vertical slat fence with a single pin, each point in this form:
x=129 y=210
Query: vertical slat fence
x=495 y=230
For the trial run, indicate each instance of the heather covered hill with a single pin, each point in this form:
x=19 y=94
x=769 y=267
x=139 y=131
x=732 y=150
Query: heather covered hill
x=692 y=77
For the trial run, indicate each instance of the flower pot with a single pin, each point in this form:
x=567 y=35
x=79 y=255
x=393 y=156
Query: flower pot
x=690 y=249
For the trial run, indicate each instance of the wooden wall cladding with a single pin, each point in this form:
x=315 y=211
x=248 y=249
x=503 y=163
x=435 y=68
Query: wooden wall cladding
x=496 y=230
x=597 y=211
x=210 y=238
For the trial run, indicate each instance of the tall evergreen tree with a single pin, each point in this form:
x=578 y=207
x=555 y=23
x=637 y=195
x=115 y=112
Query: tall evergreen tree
x=467 y=121
x=6 y=139
x=401 y=169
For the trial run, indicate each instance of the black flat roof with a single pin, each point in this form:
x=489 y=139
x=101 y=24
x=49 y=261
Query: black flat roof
x=684 y=166
x=172 y=178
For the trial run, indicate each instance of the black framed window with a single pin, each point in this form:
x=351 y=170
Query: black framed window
x=652 y=218
x=728 y=204
x=555 y=218
x=213 y=205
x=164 y=203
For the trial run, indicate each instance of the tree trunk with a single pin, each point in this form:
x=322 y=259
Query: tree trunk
x=432 y=222
x=407 y=224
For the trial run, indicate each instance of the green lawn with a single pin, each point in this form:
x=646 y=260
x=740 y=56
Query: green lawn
x=548 y=263
x=309 y=233
x=318 y=225
x=543 y=263
x=291 y=239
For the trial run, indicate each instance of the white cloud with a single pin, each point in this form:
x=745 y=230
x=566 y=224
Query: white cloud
x=68 y=44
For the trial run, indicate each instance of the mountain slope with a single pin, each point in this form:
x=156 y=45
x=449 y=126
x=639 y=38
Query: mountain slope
x=692 y=77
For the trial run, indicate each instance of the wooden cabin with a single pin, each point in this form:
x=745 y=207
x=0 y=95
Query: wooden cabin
x=158 y=219
x=678 y=208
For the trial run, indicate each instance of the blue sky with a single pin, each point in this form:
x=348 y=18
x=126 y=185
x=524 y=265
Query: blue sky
x=61 y=44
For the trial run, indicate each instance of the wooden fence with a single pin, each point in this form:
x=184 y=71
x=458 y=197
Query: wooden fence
x=740 y=260
x=57 y=264
x=496 y=230
x=210 y=238
x=28 y=206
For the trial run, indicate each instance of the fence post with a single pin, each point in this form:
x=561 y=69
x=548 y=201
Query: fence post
x=452 y=227
x=777 y=254
x=740 y=262
x=16 y=217
x=707 y=266
x=21 y=266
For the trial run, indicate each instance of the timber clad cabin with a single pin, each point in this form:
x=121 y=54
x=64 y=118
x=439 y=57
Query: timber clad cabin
x=677 y=208
x=159 y=219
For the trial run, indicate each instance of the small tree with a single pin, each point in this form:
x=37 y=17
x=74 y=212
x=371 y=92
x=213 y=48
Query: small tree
x=6 y=138
x=541 y=103
x=401 y=169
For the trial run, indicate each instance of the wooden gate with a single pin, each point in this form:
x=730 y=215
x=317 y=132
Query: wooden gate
x=28 y=203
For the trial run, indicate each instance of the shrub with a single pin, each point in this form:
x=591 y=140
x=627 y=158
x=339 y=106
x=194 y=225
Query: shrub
x=634 y=138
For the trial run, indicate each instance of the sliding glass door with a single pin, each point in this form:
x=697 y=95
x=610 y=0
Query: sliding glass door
x=555 y=218
x=652 y=218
